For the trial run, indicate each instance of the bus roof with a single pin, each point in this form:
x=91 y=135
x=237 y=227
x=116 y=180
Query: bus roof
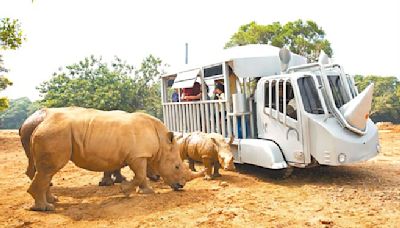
x=255 y=60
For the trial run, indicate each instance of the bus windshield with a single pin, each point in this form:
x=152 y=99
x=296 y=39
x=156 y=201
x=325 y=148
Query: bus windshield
x=309 y=95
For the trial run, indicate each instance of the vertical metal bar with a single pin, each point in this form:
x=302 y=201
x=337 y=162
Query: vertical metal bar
x=203 y=119
x=193 y=116
x=284 y=101
x=244 y=135
x=223 y=119
x=270 y=97
x=168 y=123
x=252 y=129
x=171 y=118
x=179 y=117
x=235 y=126
x=188 y=117
x=228 y=96
x=212 y=117
x=277 y=99
x=184 y=118
x=217 y=118
x=176 y=118
x=208 y=117
x=198 y=127
x=203 y=85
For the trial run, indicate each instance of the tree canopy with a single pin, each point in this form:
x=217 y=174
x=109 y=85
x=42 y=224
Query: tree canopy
x=18 y=111
x=92 y=83
x=303 y=38
x=386 y=99
x=11 y=37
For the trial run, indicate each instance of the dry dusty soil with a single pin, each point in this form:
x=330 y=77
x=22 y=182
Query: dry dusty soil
x=361 y=195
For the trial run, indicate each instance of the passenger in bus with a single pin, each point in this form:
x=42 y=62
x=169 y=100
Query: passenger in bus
x=192 y=94
x=291 y=108
x=175 y=96
x=219 y=92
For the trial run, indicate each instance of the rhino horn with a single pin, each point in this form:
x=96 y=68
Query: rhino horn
x=192 y=175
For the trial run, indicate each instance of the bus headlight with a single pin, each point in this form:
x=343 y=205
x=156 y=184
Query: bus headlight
x=342 y=158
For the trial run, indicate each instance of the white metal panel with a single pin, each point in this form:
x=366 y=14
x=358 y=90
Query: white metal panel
x=260 y=152
x=257 y=66
x=186 y=79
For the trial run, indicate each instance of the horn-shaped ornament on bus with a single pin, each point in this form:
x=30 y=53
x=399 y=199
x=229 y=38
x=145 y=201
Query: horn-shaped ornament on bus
x=356 y=111
x=323 y=58
x=284 y=56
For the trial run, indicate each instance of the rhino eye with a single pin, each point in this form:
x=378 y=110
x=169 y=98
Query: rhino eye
x=177 y=167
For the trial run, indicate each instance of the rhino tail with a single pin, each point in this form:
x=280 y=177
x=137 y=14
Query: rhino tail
x=25 y=132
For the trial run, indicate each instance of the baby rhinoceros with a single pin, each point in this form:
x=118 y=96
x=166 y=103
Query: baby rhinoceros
x=211 y=149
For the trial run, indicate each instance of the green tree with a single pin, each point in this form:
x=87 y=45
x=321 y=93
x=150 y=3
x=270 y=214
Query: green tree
x=149 y=85
x=386 y=100
x=303 y=38
x=92 y=83
x=11 y=37
x=18 y=111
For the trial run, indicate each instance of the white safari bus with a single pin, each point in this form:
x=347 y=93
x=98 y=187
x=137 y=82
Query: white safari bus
x=282 y=112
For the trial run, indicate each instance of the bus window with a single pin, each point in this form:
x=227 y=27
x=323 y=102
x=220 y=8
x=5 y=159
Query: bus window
x=290 y=102
x=338 y=91
x=266 y=97
x=309 y=95
x=268 y=87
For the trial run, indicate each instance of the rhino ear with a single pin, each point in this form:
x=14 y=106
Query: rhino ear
x=231 y=140
x=215 y=146
x=214 y=141
x=170 y=137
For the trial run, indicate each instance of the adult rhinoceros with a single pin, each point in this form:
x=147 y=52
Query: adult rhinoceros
x=102 y=141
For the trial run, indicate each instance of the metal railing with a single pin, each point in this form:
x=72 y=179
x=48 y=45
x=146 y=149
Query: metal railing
x=209 y=116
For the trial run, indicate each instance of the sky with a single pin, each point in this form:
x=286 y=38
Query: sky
x=364 y=35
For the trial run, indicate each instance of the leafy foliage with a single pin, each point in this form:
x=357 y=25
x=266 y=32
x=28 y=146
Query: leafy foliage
x=386 y=101
x=11 y=37
x=303 y=38
x=18 y=111
x=92 y=83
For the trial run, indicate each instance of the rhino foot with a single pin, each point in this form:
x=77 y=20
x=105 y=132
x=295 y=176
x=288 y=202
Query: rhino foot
x=51 y=199
x=126 y=188
x=145 y=191
x=216 y=175
x=207 y=177
x=154 y=177
x=106 y=182
x=119 y=179
x=42 y=207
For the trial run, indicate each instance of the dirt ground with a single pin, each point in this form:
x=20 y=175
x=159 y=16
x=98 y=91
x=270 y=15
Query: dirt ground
x=362 y=195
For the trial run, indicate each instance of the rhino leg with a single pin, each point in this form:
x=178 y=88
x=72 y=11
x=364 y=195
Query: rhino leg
x=118 y=176
x=50 y=197
x=207 y=168
x=138 y=166
x=30 y=171
x=38 y=190
x=152 y=175
x=216 y=169
x=191 y=165
x=106 y=180
x=145 y=188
